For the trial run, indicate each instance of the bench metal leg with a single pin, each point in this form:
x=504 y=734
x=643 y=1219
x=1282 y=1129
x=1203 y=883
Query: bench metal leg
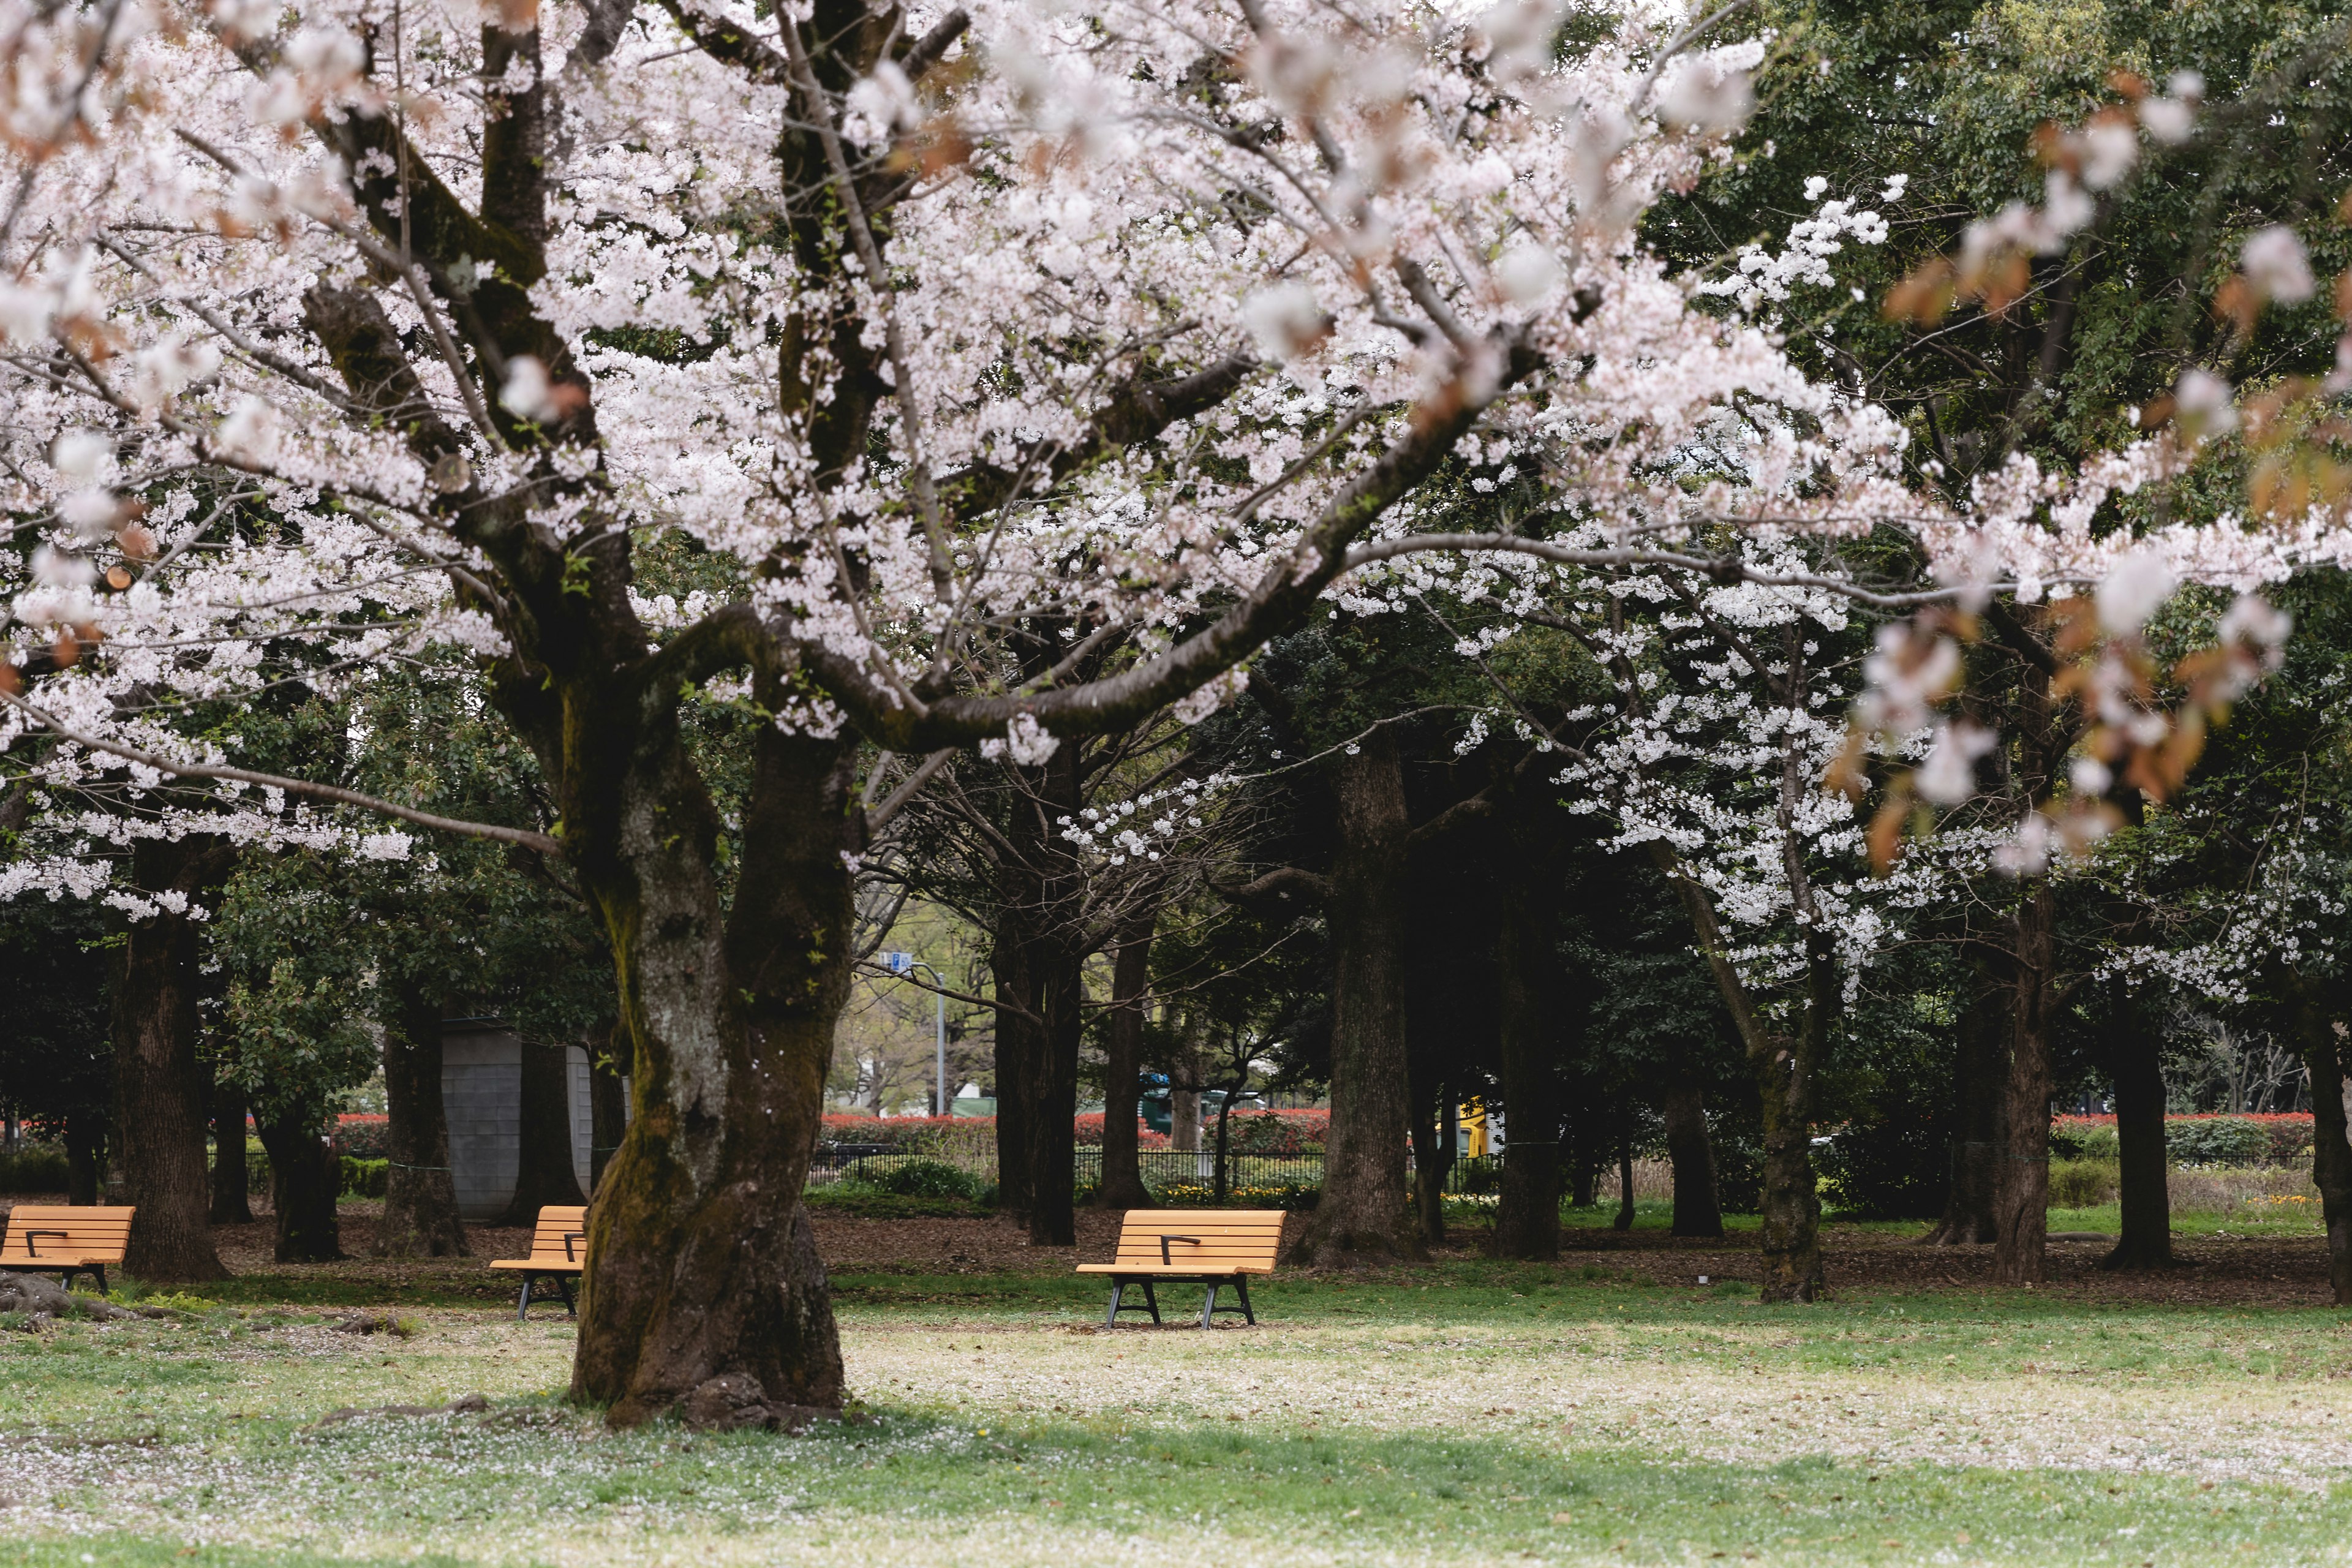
x=1117 y=1290
x=563 y=1288
x=95 y=1270
x=1151 y=1300
x=522 y=1302
x=1241 y=1283
x=1209 y=1308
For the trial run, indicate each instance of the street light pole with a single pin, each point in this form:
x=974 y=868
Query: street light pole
x=906 y=963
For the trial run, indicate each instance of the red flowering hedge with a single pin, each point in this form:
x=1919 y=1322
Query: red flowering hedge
x=1255 y=1131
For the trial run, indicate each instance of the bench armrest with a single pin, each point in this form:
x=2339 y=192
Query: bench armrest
x=1166 y=1239
x=32 y=1251
x=569 y=1237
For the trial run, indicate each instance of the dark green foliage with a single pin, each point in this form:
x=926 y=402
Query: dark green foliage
x=925 y=1179
x=364 y=1178
x=34 y=1168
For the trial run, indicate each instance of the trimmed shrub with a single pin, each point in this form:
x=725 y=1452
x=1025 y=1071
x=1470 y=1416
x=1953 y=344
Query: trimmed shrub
x=1272 y=1196
x=923 y=1179
x=2083 y=1184
x=363 y=1139
x=2278 y=1138
x=364 y=1178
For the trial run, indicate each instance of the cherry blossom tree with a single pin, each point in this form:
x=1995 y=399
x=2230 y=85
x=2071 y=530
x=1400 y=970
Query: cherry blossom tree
x=799 y=357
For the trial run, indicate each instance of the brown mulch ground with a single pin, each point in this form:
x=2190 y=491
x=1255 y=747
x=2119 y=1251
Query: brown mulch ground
x=2264 y=1272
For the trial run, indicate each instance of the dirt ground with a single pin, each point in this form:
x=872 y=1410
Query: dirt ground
x=2263 y=1273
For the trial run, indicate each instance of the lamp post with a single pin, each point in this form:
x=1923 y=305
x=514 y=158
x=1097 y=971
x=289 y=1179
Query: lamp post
x=906 y=963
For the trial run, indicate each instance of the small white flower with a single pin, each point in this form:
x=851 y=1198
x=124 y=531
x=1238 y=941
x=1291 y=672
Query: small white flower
x=2276 y=265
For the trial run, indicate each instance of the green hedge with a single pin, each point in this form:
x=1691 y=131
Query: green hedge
x=36 y=1168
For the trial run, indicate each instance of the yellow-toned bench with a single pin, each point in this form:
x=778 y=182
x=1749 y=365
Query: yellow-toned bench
x=66 y=1241
x=559 y=1246
x=1215 y=1248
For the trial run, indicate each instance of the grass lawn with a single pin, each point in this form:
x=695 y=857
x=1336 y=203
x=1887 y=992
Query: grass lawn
x=1470 y=1413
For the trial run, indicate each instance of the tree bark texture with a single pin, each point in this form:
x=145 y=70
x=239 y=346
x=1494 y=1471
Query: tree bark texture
x=420 y=1192
x=1362 y=1212
x=1527 y=1213
x=1698 y=1202
x=305 y=1179
x=1188 y=1075
x=163 y=1098
x=1624 y=1220
x=1131 y=985
x=232 y=1177
x=1052 y=1122
x=1980 y=1070
x=2319 y=1030
x=2146 y=1199
x=2021 y=1187
x=544 y=1173
x=702 y=1272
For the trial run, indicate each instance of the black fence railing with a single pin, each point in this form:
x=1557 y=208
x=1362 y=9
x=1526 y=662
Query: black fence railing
x=1160 y=1168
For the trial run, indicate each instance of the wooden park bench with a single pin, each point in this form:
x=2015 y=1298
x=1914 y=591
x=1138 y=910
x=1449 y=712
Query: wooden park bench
x=559 y=1246
x=1215 y=1248
x=66 y=1241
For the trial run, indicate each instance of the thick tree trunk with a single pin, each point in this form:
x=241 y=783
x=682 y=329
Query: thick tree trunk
x=1527 y=1214
x=1980 y=1070
x=703 y=1284
x=232 y=1179
x=420 y=1192
x=2319 y=1031
x=1584 y=1141
x=1362 y=1212
x=1188 y=1075
x=2146 y=1241
x=2021 y=1202
x=544 y=1173
x=85 y=1157
x=608 y=1103
x=304 y=1182
x=1130 y=984
x=1682 y=1105
x=162 y=1098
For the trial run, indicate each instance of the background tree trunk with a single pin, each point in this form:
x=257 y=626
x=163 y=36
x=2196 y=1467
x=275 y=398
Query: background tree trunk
x=1188 y=1075
x=608 y=1105
x=232 y=1179
x=1432 y=1159
x=304 y=1182
x=1624 y=1220
x=1130 y=984
x=544 y=1173
x=1527 y=1213
x=162 y=1098
x=1682 y=1105
x=1977 y=1142
x=1017 y=1049
x=1053 y=1110
x=2319 y=1030
x=1362 y=1211
x=85 y=1157
x=2021 y=1203
x=420 y=1193
x=2146 y=1241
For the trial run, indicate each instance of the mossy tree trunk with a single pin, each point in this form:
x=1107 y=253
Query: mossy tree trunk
x=1362 y=1212
x=420 y=1191
x=163 y=1097
x=1432 y=1161
x=1017 y=1049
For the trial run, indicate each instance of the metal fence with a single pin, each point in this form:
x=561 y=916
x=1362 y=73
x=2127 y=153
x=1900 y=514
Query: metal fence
x=1162 y=1168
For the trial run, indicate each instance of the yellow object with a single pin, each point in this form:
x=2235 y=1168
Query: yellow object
x=1473 y=1127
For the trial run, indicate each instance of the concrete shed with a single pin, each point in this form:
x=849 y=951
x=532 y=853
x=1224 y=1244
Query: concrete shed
x=481 y=1095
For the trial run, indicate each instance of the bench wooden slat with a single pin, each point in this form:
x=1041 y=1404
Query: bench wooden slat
x=92 y=1236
